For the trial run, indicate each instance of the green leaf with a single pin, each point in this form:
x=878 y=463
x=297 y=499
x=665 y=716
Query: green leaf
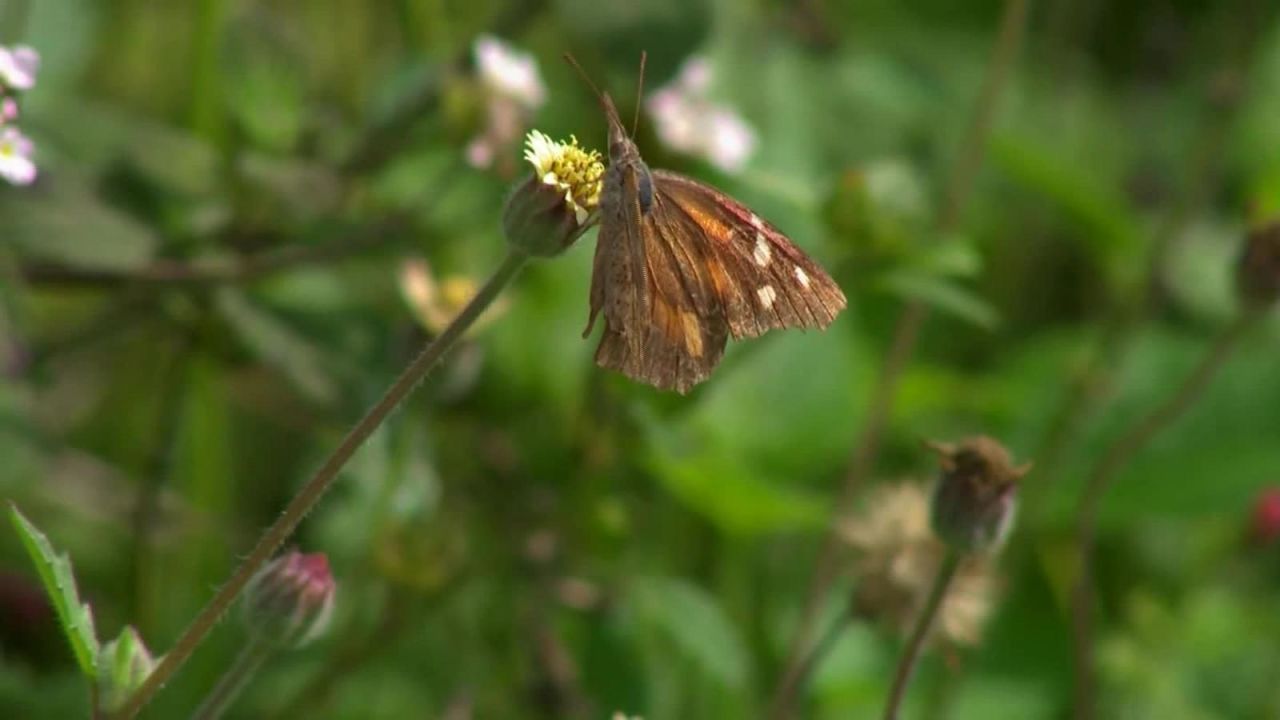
x=59 y=582
x=695 y=623
x=942 y=294
x=126 y=663
x=279 y=345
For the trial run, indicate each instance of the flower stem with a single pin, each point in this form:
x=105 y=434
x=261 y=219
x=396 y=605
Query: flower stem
x=320 y=483
x=902 y=346
x=911 y=654
x=1100 y=481
x=821 y=649
x=233 y=681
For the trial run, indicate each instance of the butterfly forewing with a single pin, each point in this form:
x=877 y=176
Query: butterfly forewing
x=763 y=280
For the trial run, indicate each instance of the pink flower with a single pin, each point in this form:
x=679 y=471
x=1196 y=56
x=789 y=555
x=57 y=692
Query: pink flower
x=8 y=110
x=688 y=121
x=509 y=72
x=514 y=89
x=18 y=67
x=289 y=602
x=16 y=150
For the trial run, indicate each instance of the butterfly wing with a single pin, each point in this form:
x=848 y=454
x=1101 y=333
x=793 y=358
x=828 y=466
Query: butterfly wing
x=761 y=279
x=663 y=322
x=677 y=277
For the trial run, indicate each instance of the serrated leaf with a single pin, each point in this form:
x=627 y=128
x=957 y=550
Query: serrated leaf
x=695 y=623
x=939 y=293
x=125 y=663
x=60 y=584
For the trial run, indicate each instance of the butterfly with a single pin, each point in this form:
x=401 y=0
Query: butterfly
x=680 y=268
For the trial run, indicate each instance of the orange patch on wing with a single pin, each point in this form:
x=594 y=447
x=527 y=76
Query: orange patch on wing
x=692 y=333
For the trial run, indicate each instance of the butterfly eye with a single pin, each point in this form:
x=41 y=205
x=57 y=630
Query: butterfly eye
x=644 y=190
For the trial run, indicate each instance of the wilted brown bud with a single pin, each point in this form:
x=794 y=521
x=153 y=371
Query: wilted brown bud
x=975 y=499
x=290 y=601
x=1258 y=274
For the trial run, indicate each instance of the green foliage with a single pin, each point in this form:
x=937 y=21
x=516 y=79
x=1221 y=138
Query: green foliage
x=59 y=582
x=203 y=291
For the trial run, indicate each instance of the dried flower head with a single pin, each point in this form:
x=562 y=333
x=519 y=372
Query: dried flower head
x=289 y=602
x=896 y=559
x=1258 y=273
x=975 y=499
x=552 y=208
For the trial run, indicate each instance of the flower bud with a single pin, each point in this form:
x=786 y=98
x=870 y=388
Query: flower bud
x=1258 y=274
x=546 y=213
x=1264 y=527
x=290 y=601
x=123 y=665
x=976 y=495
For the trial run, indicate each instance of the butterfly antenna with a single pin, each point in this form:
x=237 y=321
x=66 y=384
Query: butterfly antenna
x=583 y=74
x=635 y=123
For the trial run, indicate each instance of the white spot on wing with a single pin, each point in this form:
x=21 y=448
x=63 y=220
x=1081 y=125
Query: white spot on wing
x=767 y=295
x=762 y=253
x=756 y=222
x=802 y=276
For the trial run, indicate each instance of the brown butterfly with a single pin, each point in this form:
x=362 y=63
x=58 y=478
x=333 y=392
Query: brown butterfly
x=680 y=267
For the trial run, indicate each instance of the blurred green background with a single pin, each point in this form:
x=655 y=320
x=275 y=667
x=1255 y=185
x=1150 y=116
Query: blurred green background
x=532 y=537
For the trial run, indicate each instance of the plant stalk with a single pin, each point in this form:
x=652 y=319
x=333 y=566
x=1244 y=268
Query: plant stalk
x=1100 y=481
x=319 y=484
x=911 y=654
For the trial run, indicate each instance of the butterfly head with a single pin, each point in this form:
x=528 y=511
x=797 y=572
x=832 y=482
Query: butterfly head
x=621 y=147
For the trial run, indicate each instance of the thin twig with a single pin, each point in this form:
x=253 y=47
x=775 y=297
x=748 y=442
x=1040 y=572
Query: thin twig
x=823 y=647
x=1102 y=478
x=319 y=484
x=911 y=654
x=240 y=270
x=233 y=681
x=906 y=331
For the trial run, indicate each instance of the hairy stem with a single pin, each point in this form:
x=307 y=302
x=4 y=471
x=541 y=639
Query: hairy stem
x=906 y=331
x=911 y=653
x=233 y=681
x=319 y=484
x=1100 y=481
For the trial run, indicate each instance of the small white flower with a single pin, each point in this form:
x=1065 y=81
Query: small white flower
x=567 y=167
x=18 y=66
x=687 y=120
x=731 y=140
x=508 y=71
x=16 y=165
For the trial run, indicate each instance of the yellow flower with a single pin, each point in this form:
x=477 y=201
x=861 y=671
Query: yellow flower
x=897 y=557
x=569 y=168
x=436 y=302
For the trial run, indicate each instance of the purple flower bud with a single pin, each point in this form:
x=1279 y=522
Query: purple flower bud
x=8 y=110
x=976 y=495
x=290 y=601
